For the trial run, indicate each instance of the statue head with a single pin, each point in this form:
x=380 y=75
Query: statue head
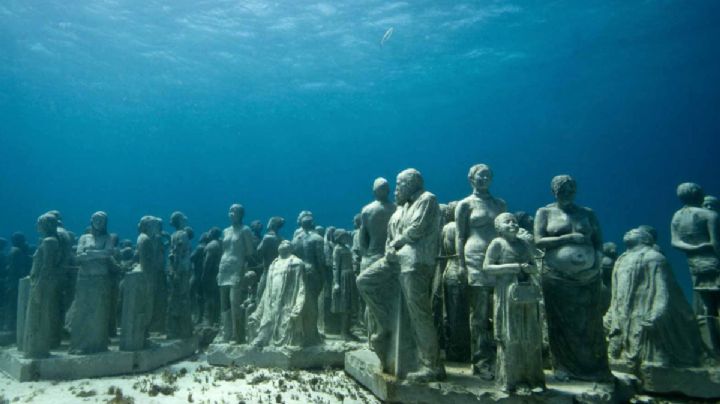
x=214 y=233
x=330 y=233
x=236 y=213
x=18 y=240
x=320 y=231
x=305 y=220
x=58 y=216
x=635 y=237
x=480 y=177
x=712 y=203
x=506 y=225
x=651 y=231
x=189 y=232
x=342 y=236
x=690 y=194
x=409 y=182
x=178 y=220
x=610 y=249
x=125 y=243
x=204 y=238
x=275 y=223
x=147 y=225
x=525 y=220
x=256 y=226
x=47 y=225
x=357 y=221
x=381 y=189
x=98 y=223
x=285 y=249
x=564 y=188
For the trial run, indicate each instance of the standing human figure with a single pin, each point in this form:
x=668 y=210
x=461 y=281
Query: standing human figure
x=343 y=282
x=238 y=248
x=208 y=280
x=474 y=218
x=410 y=255
x=19 y=263
x=455 y=289
x=268 y=249
x=696 y=232
x=516 y=317
x=571 y=239
x=197 y=258
x=45 y=277
x=179 y=314
x=309 y=247
x=90 y=316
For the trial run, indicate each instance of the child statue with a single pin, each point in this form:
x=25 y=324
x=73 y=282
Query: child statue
x=517 y=328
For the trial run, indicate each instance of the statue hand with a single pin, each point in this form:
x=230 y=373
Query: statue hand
x=576 y=238
x=391 y=256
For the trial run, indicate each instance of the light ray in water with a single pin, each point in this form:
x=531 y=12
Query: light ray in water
x=387 y=36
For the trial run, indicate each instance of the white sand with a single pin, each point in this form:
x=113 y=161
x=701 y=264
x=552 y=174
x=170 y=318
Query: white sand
x=193 y=381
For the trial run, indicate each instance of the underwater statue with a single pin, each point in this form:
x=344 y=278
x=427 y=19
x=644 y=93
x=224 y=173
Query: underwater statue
x=309 y=247
x=410 y=254
x=571 y=239
x=238 y=248
x=208 y=280
x=474 y=218
x=179 y=315
x=278 y=318
x=374 y=218
x=455 y=290
x=67 y=284
x=712 y=203
x=197 y=258
x=267 y=250
x=649 y=321
x=329 y=320
x=256 y=227
x=696 y=232
x=609 y=255
x=19 y=263
x=45 y=278
x=137 y=287
x=90 y=316
x=516 y=317
x=343 y=282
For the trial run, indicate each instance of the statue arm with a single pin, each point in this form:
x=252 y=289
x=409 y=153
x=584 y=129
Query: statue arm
x=597 y=240
x=542 y=240
x=337 y=262
x=492 y=259
x=364 y=237
x=677 y=242
x=462 y=216
x=422 y=221
x=659 y=270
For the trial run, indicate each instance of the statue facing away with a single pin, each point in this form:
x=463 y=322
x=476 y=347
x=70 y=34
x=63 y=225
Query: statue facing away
x=696 y=232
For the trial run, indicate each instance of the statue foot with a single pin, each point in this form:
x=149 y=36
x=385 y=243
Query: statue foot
x=426 y=375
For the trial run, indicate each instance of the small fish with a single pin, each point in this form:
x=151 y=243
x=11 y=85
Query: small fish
x=387 y=36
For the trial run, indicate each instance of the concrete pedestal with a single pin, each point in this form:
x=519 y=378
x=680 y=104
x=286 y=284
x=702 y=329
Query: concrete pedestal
x=328 y=354
x=63 y=366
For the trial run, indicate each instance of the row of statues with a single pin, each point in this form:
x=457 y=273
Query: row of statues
x=500 y=291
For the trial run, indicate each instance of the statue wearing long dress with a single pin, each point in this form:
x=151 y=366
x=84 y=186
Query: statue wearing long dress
x=90 y=313
x=343 y=281
x=308 y=246
x=571 y=239
x=649 y=321
x=45 y=277
x=516 y=319
x=278 y=318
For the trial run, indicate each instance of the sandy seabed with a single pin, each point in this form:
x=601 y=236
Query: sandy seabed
x=193 y=381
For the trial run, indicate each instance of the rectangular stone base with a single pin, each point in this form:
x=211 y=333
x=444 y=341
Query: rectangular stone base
x=462 y=387
x=328 y=354
x=63 y=366
x=692 y=382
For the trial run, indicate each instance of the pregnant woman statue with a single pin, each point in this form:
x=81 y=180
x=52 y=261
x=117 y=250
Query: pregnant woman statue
x=571 y=239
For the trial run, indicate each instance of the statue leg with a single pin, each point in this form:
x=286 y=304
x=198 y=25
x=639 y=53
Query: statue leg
x=481 y=334
x=376 y=287
x=415 y=286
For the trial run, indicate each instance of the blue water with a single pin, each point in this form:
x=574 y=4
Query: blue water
x=145 y=107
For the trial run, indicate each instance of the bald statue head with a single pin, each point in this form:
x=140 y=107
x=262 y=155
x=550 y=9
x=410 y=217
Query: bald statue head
x=381 y=189
x=409 y=182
